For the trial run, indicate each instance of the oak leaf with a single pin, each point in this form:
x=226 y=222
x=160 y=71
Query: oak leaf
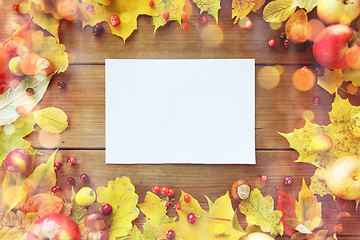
x=260 y=211
x=278 y=11
x=241 y=8
x=120 y=194
x=43 y=204
x=51 y=119
x=210 y=6
x=215 y=224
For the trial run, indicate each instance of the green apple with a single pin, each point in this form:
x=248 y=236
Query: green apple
x=105 y=2
x=343 y=177
x=321 y=142
x=338 y=11
x=257 y=236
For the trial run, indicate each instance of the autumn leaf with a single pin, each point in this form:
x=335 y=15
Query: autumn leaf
x=308 y=5
x=127 y=10
x=298 y=18
x=155 y=212
x=210 y=6
x=175 y=9
x=77 y=212
x=41 y=180
x=286 y=204
x=258 y=5
x=331 y=80
x=11 y=191
x=260 y=211
x=241 y=8
x=51 y=119
x=215 y=224
x=278 y=11
x=43 y=204
x=11 y=233
x=135 y=234
x=29 y=220
x=120 y=194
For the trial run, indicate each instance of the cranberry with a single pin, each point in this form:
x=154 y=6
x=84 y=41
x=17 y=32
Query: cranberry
x=156 y=189
x=166 y=15
x=106 y=208
x=263 y=178
x=84 y=177
x=29 y=91
x=164 y=190
x=271 y=43
x=61 y=84
x=171 y=192
x=71 y=160
x=316 y=101
x=283 y=36
x=191 y=218
x=96 y=31
x=170 y=234
x=57 y=165
x=286 y=43
x=16 y=7
x=319 y=71
x=249 y=24
x=99 y=26
x=204 y=20
x=70 y=180
x=288 y=180
x=55 y=189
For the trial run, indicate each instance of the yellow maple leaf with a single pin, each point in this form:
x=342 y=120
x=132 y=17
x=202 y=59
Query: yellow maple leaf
x=298 y=18
x=260 y=211
x=127 y=10
x=120 y=194
x=210 y=6
x=215 y=224
x=308 y=209
x=241 y=8
x=278 y=10
x=51 y=119
x=331 y=80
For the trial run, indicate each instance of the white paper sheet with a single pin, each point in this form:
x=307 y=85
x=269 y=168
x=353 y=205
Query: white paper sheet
x=180 y=111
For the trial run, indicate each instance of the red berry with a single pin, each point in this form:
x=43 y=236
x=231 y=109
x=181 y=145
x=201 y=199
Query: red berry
x=171 y=192
x=114 y=20
x=70 y=180
x=90 y=8
x=305 y=68
x=170 y=234
x=164 y=190
x=20 y=110
x=96 y=32
x=185 y=25
x=187 y=198
x=29 y=91
x=151 y=3
x=288 y=180
x=184 y=16
x=61 y=84
x=316 y=101
x=191 y=218
x=286 y=43
x=16 y=7
x=263 y=178
x=166 y=203
x=156 y=189
x=99 y=26
x=166 y=15
x=57 y=165
x=320 y=71
x=271 y=43
x=106 y=208
x=178 y=206
x=249 y=24
x=55 y=189
x=71 y=160
x=204 y=20
x=283 y=36
x=84 y=177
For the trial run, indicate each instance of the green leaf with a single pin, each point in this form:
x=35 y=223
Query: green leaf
x=260 y=211
x=308 y=209
x=278 y=11
x=210 y=6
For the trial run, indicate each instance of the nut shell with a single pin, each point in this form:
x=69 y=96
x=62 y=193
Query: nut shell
x=241 y=190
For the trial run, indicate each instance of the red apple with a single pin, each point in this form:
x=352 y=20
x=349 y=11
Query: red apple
x=17 y=161
x=343 y=177
x=336 y=47
x=54 y=226
x=338 y=11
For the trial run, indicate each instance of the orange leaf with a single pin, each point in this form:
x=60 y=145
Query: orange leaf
x=44 y=204
x=298 y=18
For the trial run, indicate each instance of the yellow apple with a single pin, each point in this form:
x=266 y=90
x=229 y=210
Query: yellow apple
x=257 y=236
x=321 y=142
x=338 y=11
x=343 y=177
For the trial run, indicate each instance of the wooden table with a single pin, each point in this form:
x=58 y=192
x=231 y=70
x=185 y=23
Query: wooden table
x=277 y=110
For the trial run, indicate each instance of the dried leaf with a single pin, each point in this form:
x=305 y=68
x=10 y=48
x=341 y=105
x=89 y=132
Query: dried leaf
x=286 y=204
x=260 y=211
x=241 y=8
x=215 y=224
x=41 y=180
x=120 y=194
x=210 y=6
x=278 y=11
x=20 y=219
x=10 y=219
x=331 y=80
x=77 y=212
x=308 y=209
x=298 y=18
x=51 y=119
x=43 y=204
x=67 y=208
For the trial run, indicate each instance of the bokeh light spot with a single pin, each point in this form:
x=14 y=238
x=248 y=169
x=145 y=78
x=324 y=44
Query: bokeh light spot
x=352 y=89
x=275 y=26
x=9 y=129
x=309 y=115
x=212 y=35
x=242 y=22
x=49 y=140
x=303 y=79
x=314 y=27
x=268 y=77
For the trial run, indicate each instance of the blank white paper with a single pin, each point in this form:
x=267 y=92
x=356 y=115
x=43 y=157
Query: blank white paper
x=180 y=111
